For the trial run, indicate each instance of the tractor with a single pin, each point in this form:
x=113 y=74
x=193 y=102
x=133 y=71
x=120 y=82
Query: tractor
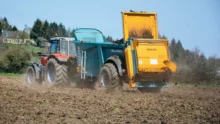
x=140 y=58
x=53 y=69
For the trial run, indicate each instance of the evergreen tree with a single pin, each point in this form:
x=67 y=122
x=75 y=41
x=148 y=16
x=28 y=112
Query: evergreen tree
x=173 y=43
x=1 y=28
x=46 y=30
x=173 y=50
x=61 y=30
x=14 y=28
x=72 y=33
x=5 y=24
x=109 y=39
x=53 y=29
x=162 y=36
x=179 y=49
x=5 y=20
x=37 y=30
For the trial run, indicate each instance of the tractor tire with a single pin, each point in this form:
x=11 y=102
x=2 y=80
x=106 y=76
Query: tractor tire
x=108 y=79
x=30 y=77
x=56 y=73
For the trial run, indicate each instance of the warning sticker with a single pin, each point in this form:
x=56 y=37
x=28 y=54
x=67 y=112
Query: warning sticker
x=153 y=61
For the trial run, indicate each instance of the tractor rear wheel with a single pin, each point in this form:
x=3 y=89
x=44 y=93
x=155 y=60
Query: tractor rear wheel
x=56 y=73
x=30 y=77
x=108 y=78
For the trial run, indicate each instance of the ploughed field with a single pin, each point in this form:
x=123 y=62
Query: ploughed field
x=176 y=104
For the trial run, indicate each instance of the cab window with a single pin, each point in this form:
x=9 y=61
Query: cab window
x=53 y=47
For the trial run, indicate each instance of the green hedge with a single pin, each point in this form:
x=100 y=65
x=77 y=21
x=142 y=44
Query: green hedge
x=14 y=60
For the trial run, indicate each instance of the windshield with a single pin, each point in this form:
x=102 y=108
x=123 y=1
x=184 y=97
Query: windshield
x=53 y=47
x=89 y=35
x=64 y=47
x=67 y=48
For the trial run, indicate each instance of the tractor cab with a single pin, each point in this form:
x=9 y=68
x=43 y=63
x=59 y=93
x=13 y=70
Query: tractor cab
x=62 y=45
x=61 y=48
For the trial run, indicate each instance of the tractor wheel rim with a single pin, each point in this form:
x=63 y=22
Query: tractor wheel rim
x=30 y=76
x=51 y=73
x=104 y=80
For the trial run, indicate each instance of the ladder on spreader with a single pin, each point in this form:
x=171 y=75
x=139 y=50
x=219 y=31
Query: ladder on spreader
x=83 y=65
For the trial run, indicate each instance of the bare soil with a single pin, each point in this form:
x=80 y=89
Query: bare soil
x=176 y=104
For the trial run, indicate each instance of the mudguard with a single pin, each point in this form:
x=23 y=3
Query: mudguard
x=59 y=57
x=117 y=62
x=37 y=68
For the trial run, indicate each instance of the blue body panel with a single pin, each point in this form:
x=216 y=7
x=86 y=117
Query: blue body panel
x=97 y=54
x=98 y=50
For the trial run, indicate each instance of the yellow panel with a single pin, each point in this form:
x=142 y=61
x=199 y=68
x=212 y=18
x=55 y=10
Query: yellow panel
x=152 y=55
x=139 y=25
x=129 y=64
x=171 y=65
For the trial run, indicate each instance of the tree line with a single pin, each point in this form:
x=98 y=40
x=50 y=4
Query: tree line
x=42 y=29
x=4 y=25
x=47 y=30
x=192 y=65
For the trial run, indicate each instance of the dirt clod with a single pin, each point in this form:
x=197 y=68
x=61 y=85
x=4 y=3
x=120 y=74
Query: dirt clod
x=38 y=113
x=78 y=117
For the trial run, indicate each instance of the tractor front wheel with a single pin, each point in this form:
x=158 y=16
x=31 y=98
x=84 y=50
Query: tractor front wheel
x=56 y=73
x=30 y=77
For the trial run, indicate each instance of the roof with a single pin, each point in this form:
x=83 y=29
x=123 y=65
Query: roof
x=7 y=33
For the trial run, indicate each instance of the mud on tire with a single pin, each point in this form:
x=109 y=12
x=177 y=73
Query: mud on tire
x=108 y=78
x=56 y=73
